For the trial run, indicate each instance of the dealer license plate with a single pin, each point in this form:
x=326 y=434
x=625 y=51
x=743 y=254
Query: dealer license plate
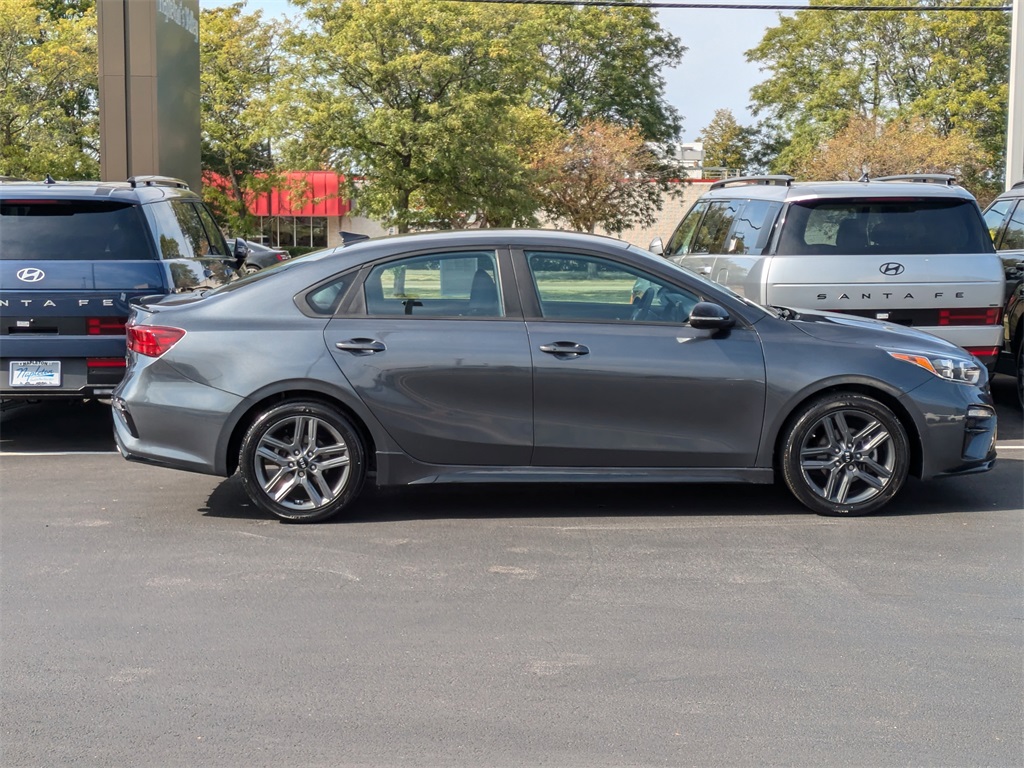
x=35 y=373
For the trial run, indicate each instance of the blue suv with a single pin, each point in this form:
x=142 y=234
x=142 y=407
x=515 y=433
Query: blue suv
x=73 y=255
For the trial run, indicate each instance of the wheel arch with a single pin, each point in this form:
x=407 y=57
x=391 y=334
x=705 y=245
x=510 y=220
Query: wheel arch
x=233 y=443
x=884 y=396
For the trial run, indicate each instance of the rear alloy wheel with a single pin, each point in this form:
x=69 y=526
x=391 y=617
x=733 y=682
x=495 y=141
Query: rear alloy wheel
x=845 y=454
x=302 y=461
x=249 y=269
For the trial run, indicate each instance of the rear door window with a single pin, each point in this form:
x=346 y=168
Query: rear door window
x=182 y=232
x=995 y=216
x=1013 y=236
x=753 y=227
x=456 y=284
x=683 y=236
x=714 y=228
x=33 y=230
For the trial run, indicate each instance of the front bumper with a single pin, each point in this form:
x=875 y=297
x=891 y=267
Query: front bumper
x=957 y=425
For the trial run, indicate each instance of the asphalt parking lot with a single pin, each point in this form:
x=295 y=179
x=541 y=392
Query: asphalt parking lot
x=154 y=618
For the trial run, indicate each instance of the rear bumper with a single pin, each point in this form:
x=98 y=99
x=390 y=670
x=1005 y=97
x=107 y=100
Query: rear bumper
x=153 y=424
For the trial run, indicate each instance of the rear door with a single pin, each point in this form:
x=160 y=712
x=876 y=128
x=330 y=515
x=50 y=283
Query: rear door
x=436 y=347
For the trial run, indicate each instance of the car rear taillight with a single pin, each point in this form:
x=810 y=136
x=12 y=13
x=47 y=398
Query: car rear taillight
x=282 y=256
x=979 y=316
x=985 y=354
x=105 y=326
x=105 y=362
x=152 y=340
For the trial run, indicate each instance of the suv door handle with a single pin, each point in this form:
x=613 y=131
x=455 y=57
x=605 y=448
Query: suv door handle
x=565 y=349
x=361 y=346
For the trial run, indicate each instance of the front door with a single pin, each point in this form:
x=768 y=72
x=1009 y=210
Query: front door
x=621 y=382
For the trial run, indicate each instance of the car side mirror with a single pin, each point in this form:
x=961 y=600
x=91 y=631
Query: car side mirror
x=241 y=251
x=657 y=247
x=711 y=316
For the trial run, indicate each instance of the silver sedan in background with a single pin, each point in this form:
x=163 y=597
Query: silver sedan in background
x=535 y=356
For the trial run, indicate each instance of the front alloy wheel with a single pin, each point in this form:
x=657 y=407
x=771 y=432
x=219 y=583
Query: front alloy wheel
x=302 y=461
x=845 y=454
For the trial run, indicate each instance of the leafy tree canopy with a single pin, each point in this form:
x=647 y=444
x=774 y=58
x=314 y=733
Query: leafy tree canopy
x=869 y=146
x=428 y=99
x=49 y=119
x=827 y=68
x=727 y=144
x=238 y=67
x=607 y=63
x=600 y=174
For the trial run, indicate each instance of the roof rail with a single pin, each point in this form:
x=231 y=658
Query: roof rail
x=780 y=181
x=1018 y=185
x=924 y=178
x=157 y=181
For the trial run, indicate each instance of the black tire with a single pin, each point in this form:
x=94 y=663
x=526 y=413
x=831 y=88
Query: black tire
x=1020 y=372
x=844 y=454
x=248 y=269
x=302 y=461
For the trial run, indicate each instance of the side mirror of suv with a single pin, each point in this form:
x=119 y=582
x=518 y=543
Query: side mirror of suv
x=657 y=247
x=710 y=316
x=241 y=252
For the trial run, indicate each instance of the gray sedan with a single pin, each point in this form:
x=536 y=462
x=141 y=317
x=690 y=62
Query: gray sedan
x=535 y=356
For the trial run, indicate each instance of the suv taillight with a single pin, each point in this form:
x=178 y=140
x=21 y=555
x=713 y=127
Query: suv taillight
x=980 y=316
x=152 y=340
x=105 y=326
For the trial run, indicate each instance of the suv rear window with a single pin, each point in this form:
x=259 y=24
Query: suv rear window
x=890 y=226
x=33 y=230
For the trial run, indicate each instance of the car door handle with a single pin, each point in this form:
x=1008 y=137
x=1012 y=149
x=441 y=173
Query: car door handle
x=565 y=349
x=361 y=346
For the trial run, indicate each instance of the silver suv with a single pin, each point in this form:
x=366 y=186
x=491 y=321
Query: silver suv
x=911 y=250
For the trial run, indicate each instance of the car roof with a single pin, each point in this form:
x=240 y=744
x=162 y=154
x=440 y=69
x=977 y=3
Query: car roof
x=140 y=191
x=467 y=238
x=777 y=189
x=1017 y=190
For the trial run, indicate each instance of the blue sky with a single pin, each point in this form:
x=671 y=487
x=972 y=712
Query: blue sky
x=714 y=73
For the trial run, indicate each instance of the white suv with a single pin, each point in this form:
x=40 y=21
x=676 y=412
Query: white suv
x=911 y=250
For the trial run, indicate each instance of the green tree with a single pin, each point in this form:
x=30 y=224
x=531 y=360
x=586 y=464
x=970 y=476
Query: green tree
x=427 y=99
x=600 y=174
x=727 y=144
x=911 y=146
x=238 y=67
x=49 y=118
x=607 y=63
x=827 y=68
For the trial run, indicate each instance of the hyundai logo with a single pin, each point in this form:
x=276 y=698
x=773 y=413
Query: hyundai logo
x=891 y=268
x=31 y=275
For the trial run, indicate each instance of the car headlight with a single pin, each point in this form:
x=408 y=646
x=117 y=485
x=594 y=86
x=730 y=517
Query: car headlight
x=958 y=369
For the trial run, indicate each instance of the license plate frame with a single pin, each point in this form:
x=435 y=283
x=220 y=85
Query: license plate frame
x=34 y=374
